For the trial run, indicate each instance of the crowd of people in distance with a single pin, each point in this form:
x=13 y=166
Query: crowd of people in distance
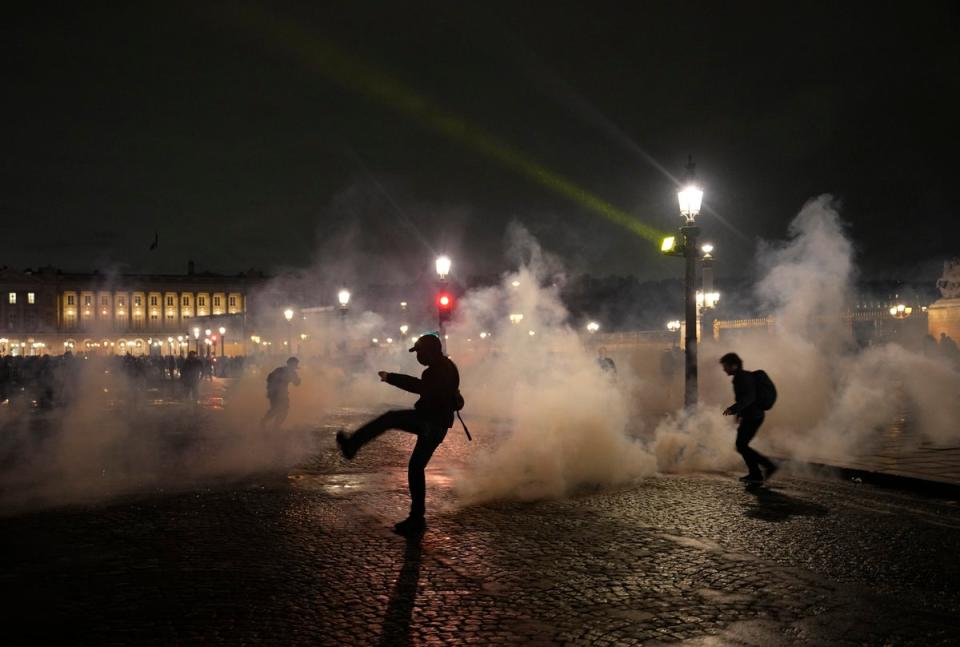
x=52 y=381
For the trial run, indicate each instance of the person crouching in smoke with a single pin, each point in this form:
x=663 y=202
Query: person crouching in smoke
x=431 y=417
x=278 y=393
x=749 y=410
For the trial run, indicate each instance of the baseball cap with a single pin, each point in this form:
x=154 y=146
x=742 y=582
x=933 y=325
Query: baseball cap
x=427 y=343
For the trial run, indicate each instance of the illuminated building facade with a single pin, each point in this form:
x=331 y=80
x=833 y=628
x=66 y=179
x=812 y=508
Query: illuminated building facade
x=49 y=311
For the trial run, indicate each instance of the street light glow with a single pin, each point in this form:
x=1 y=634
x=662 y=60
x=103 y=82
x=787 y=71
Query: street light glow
x=288 y=314
x=673 y=326
x=707 y=249
x=403 y=329
x=690 y=199
x=516 y=318
x=343 y=298
x=443 y=266
x=668 y=244
x=593 y=327
x=444 y=300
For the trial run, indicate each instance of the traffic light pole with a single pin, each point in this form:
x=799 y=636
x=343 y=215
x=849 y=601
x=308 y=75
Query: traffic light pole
x=441 y=328
x=690 y=233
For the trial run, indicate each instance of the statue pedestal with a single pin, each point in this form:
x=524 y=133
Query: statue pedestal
x=943 y=316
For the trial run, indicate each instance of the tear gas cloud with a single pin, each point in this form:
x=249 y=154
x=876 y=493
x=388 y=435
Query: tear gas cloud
x=833 y=396
x=566 y=423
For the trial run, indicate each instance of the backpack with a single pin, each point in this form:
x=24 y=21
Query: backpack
x=275 y=380
x=766 y=391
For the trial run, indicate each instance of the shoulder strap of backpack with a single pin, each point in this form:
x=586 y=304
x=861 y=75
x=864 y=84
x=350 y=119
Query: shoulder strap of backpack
x=465 y=430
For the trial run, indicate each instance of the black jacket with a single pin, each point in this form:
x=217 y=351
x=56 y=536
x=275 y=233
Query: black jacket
x=745 y=393
x=437 y=387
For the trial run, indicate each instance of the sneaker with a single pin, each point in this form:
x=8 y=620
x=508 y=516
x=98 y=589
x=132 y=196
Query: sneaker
x=751 y=479
x=773 y=469
x=410 y=526
x=346 y=447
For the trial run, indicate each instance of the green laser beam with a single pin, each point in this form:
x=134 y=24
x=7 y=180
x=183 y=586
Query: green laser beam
x=361 y=77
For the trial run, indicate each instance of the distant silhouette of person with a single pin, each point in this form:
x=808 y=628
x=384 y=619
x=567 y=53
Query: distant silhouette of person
x=749 y=415
x=605 y=363
x=278 y=392
x=431 y=417
x=190 y=376
x=948 y=347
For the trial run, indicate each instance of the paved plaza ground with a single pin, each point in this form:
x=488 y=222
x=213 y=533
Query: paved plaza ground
x=306 y=556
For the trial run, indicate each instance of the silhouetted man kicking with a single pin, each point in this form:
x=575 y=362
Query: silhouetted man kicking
x=749 y=416
x=431 y=417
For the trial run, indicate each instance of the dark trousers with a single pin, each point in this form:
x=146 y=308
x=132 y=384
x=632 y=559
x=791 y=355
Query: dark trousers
x=277 y=414
x=429 y=436
x=754 y=459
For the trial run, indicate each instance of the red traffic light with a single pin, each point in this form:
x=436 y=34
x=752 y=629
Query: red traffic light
x=444 y=306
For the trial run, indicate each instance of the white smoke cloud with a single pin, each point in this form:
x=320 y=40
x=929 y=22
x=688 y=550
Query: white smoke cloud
x=833 y=398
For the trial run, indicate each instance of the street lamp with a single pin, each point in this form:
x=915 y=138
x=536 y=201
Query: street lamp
x=196 y=337
x=443 y=267
x=403 y=330
x=593 y=327
x=516 y=318
x=901 y=311
x=444 y=300
x=343 y=298
x=288 y=315
x=690 y=197
x=223 y=341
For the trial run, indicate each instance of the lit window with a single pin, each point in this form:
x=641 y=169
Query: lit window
x=153 y=301
x=120 y=302
x=169 y=301
x=233 y=301
x=201 y=301
x=31 y=297
x=104 y=301
x=216 y=301
x=138 y=301
x=186 y=301
x=12 y=298
x=87 y=300
x=70 y=300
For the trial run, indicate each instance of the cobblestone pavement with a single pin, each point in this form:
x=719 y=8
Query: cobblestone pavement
x=306 y=557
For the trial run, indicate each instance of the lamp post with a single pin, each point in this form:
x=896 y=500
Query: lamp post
x=343 y=298
x=223 y=340
x=196 y=338
x=690 y=198
x=288 y=315
x=443 y=264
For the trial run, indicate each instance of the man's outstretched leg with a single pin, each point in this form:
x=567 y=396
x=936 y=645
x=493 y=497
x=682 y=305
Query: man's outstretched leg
x=404 y=420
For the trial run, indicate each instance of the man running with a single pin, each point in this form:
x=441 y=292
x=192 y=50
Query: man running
x=278 y=384
x=431 y=417
x=749 y=415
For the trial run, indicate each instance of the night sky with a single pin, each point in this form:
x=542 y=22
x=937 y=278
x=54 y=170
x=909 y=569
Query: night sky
x=239 y=136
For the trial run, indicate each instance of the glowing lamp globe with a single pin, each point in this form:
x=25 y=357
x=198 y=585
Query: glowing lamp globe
x=443 y=266
x=690 y=198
